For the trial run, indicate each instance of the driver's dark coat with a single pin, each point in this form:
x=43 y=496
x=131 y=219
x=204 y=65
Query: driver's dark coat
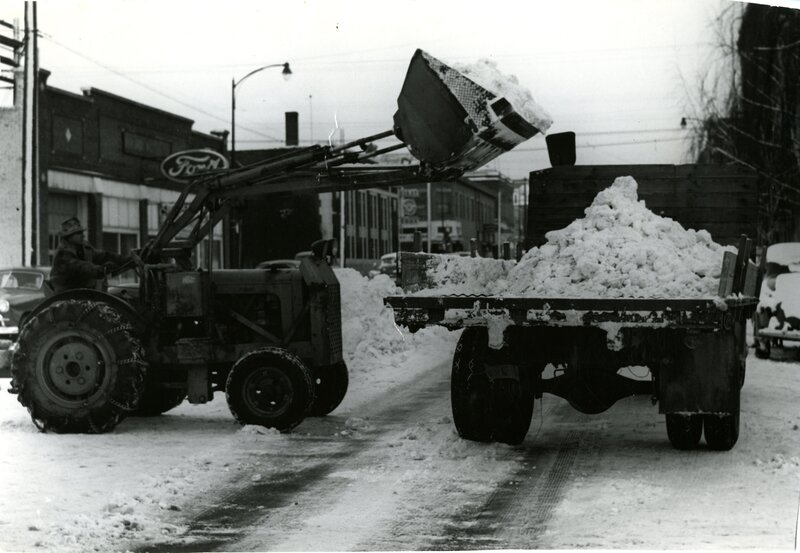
x=79 y=266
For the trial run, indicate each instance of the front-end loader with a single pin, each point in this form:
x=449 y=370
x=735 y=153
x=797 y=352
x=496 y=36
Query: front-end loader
x=270 y=339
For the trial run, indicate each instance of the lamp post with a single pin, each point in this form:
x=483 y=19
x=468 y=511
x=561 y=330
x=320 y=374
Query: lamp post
x=287 y=72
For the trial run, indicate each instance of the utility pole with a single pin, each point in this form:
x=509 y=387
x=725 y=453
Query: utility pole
x=30 y=165
x=499 y=218
x=430 y=224
x=342 y=219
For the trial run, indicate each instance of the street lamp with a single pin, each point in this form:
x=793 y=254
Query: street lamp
x=287 y=72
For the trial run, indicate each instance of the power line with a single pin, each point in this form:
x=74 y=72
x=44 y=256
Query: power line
x=537 y=149
x=584 y=146
x=318 y=61
x=152 y=89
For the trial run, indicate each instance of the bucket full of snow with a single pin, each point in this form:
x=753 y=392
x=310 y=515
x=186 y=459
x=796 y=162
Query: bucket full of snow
x=463 y=117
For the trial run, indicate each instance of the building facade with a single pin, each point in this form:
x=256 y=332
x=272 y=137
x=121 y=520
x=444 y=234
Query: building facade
x=476 y=206
x=12 y=249
x=99 y=160
x=280 y=226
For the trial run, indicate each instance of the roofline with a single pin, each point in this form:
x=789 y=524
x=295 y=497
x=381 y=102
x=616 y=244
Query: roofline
x=92 y=91
x=72 y=95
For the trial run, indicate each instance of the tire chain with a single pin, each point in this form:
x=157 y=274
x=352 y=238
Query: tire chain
x=108 y=313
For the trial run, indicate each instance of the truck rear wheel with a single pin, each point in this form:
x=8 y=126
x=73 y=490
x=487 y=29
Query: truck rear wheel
x=330 y=387
x=513 y=409
x=78 y=367
x=722 y=431
x=486 y=409
x=684 y=431
x=270 y=387
x=470 y=388
x=763 y=348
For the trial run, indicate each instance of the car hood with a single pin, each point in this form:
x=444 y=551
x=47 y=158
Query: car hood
x=15 y=296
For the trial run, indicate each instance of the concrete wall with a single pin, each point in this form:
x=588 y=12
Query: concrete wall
x=11 y=184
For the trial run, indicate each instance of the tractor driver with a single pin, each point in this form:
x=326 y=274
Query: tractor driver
x=77 y=264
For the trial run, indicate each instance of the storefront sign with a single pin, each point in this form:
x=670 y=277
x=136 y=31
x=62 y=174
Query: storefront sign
x=188 y=164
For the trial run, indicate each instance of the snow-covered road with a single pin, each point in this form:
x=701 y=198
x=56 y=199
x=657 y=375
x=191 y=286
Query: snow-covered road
x=386 y=471
x=389 y=473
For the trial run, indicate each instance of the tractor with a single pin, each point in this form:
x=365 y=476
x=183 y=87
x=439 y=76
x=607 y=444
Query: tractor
x=270 y=339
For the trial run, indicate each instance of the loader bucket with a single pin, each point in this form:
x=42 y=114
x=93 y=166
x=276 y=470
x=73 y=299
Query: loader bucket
x=450 y=122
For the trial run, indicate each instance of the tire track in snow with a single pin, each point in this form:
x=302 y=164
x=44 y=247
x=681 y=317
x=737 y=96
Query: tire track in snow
x=517 y=512
x=239 y=512
x=468 y=512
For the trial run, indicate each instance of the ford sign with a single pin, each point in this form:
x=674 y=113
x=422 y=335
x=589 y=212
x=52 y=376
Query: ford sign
x=188 y=164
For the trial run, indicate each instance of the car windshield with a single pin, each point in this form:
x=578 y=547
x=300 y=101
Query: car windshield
x=25 y=280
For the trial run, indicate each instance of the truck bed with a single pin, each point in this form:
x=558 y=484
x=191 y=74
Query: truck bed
x=459 y=311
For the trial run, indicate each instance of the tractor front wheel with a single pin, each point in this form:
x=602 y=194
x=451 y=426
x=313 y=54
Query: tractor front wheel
x=270 y=387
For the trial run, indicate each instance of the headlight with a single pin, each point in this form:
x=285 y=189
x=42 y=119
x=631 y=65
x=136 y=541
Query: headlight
x=4 y=306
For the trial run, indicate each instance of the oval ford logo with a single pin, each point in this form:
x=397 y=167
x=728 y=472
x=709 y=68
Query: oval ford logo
x=188 y=164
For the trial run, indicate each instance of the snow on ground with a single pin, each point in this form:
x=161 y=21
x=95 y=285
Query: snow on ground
x=659 y=498
x=70 y=493
x=619 y=249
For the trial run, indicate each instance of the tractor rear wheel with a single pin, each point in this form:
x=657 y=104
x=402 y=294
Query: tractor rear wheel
x=684 y=431
x=330 y=387
x=78 y=367
x=270 y=387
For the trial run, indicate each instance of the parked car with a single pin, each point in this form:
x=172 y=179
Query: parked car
x=777 y=319
x=387 y=265
x=279 y=264
x=21 y=289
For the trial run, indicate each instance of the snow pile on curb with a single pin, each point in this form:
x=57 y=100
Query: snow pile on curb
x=370 y=337
x=485 y=73
x=620 y=249
x=368 y=329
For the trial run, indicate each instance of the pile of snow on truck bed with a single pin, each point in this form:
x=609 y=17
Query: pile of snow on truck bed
x=620 y=249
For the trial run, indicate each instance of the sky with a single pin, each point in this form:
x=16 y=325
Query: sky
x=620 y=73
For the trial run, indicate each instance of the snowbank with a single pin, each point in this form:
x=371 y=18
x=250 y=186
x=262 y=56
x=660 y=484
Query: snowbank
x=619 y=249
x=370 y=337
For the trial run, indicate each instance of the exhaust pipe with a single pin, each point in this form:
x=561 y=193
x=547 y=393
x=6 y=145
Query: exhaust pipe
x=561 y=148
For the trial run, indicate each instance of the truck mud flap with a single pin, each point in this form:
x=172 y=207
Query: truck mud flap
x=702 y=377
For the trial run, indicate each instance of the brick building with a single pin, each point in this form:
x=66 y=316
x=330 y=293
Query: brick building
x=11 y=190
x=99 y=160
